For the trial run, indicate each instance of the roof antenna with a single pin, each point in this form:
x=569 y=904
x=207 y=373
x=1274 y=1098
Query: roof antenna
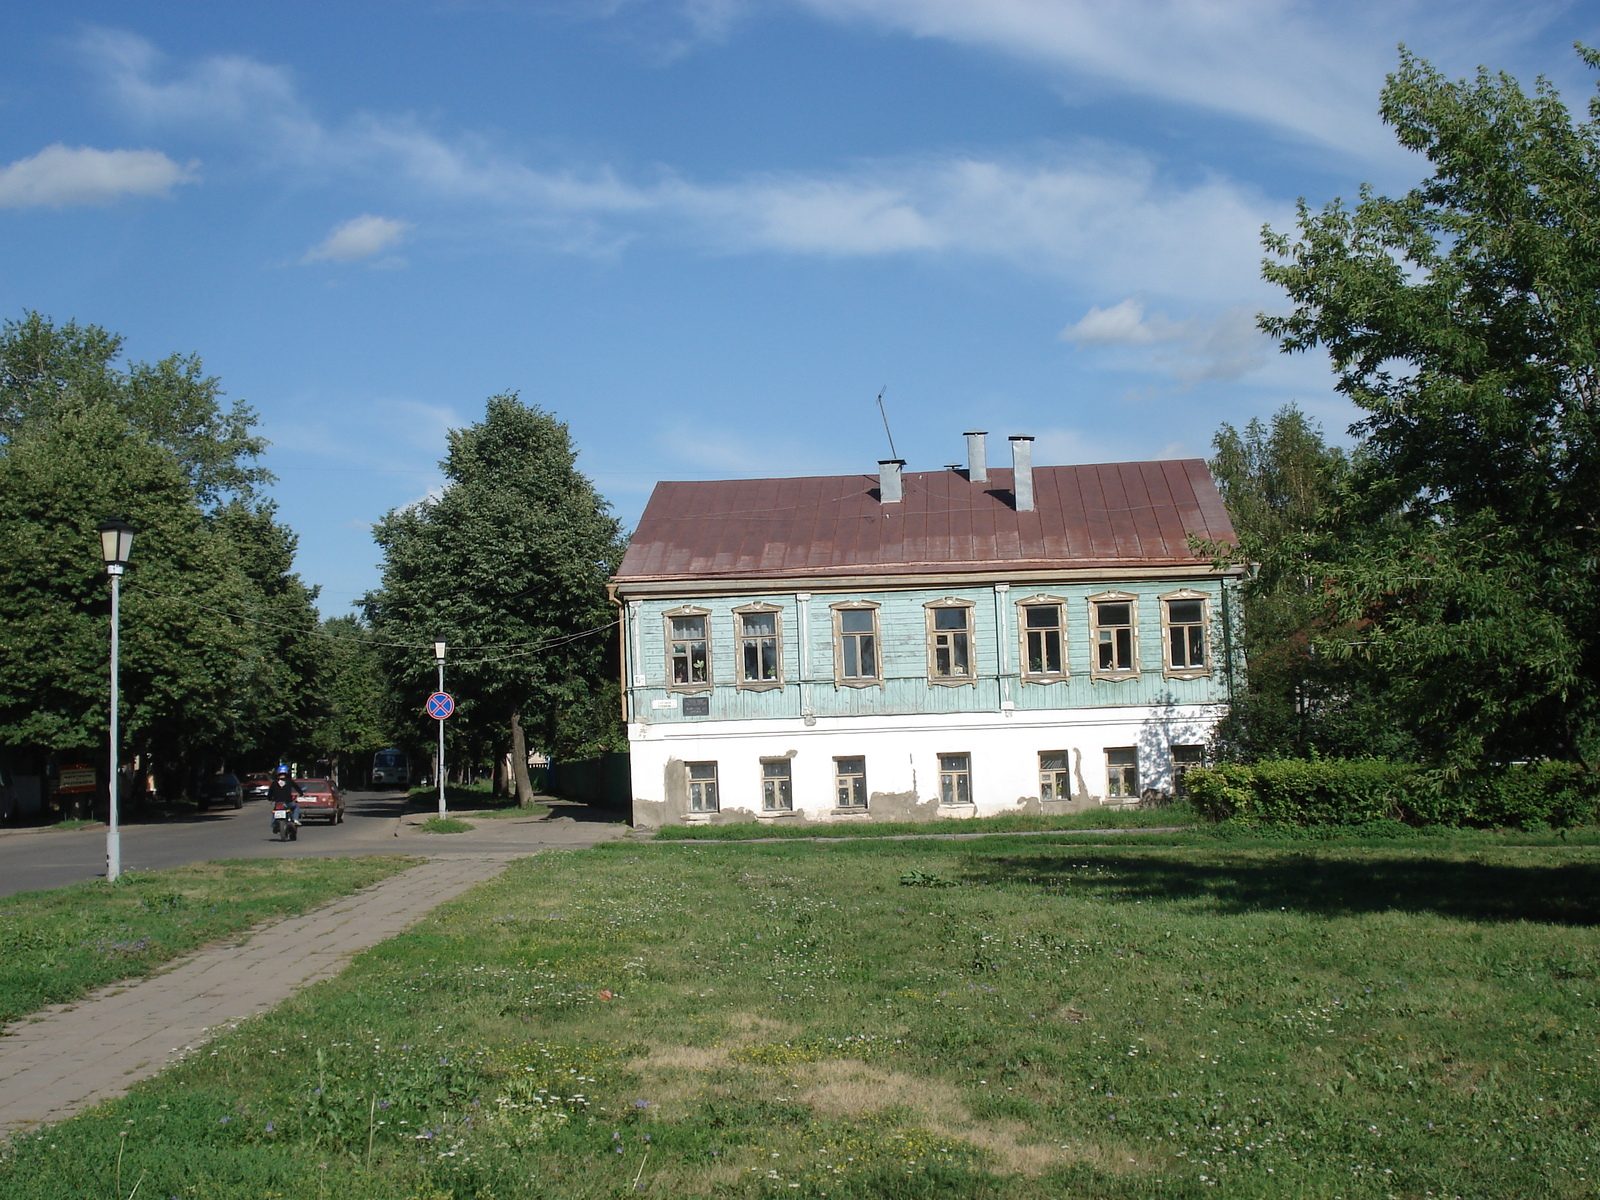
x=893 y=453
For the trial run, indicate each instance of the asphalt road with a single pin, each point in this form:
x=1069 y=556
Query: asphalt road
x=51 y=858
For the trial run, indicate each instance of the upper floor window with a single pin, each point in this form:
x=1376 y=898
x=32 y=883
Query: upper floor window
x=1044 y=639
x=950 y=641
x=855 y=631
x=1115 y=634
x=1185 y=633
x=760 y=648
x=688 y=649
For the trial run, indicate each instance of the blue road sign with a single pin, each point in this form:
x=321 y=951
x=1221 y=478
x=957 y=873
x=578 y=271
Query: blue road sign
x=440 y=705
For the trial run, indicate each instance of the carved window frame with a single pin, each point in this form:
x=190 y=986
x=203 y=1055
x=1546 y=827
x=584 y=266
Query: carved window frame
x=1167 y=669
x=1113 y=673
x=1043 y=600
x=687 y=610
x=839 y=677
x=945 y=604
x=740 y=638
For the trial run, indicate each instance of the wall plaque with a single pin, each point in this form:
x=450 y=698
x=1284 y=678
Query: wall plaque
x=697 y=706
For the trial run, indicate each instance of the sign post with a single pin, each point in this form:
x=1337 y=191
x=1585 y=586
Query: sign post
x=440 y=705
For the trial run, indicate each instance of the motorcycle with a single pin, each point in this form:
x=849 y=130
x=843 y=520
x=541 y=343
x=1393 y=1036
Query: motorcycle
x=285 y=824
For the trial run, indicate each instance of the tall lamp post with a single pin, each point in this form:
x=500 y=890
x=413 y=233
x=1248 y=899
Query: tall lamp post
x=438 y=658
x=116 y=546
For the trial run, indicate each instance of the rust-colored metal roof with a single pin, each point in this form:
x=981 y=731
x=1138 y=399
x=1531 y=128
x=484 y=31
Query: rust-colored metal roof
x=1104 y=515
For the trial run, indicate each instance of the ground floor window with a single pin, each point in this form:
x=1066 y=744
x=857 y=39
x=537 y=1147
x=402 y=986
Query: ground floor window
x=1053 y=782
x=1184 y=760
x=777 y=794
x=1122 y=773
x=955 y=779
x=702 y=786
x=850 y=782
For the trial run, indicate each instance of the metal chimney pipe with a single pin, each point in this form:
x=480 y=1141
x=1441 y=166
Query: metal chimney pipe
x=889 y=491
x=977 y=456
x=1022 y=472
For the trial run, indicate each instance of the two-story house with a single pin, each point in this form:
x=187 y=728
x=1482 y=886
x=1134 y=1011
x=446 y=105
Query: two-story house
x=922 y=644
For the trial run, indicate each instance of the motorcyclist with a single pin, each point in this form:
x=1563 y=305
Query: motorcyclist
x=285 y=791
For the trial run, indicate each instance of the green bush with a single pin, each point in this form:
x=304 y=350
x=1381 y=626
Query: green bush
x=1327 y=792
x=1222 y=792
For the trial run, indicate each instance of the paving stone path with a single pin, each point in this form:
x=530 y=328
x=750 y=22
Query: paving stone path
x=67 y=1057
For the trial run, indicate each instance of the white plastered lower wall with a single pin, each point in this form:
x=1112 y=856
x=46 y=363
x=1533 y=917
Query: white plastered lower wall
x=902 y=760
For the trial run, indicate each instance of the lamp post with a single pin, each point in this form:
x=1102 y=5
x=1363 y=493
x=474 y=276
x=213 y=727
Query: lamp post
x=438 y=658
x=116 y=545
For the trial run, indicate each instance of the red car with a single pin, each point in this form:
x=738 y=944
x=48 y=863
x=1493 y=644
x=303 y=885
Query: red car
x=319 y=799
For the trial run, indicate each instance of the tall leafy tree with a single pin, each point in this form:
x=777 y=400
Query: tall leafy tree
x=278 y=692
x=355 y=717
x=46 y=369
x=57 y=482
x=509 y=564
x=215 y=624
x=1281 y=482
x=1464 y=318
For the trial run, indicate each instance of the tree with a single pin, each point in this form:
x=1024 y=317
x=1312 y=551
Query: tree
x=1462 y=318
x=352 y=688
x=46 y=369
x=1280 y=482
x=215 y=624
x=509 y=564
x=57 y=482
x=278 y=690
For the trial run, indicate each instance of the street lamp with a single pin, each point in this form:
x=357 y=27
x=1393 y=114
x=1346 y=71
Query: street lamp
x=116 y=546
x=438 y=658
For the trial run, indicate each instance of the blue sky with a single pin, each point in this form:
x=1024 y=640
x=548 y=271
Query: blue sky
x=705 y=233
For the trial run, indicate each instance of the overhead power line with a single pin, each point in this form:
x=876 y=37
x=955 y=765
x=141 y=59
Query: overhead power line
x=512 y=649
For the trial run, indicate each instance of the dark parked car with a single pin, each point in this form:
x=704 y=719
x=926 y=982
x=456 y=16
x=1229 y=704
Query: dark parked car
x=256 y=786
x=319 y=799
x=221 y=789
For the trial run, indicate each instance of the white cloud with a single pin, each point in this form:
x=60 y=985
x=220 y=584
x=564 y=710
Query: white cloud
x=1309 y=70
x=360 y=237
x=1122 y=324
x=217 y=92
x=1077 y=446
x=1103 y=217
x=59 y=176
x=1219 y=350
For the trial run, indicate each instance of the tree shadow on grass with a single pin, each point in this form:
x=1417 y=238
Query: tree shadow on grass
x=1568 y=894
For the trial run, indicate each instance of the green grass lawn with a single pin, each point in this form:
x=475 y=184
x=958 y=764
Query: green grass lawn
x=478 y=799
x=57 y=945
x=444 y=825
x=1044 y=1017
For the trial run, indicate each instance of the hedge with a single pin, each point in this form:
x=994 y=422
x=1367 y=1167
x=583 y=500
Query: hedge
x=1357 y=791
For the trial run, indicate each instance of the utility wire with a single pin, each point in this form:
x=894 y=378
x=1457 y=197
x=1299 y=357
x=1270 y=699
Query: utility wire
x=510 y=647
